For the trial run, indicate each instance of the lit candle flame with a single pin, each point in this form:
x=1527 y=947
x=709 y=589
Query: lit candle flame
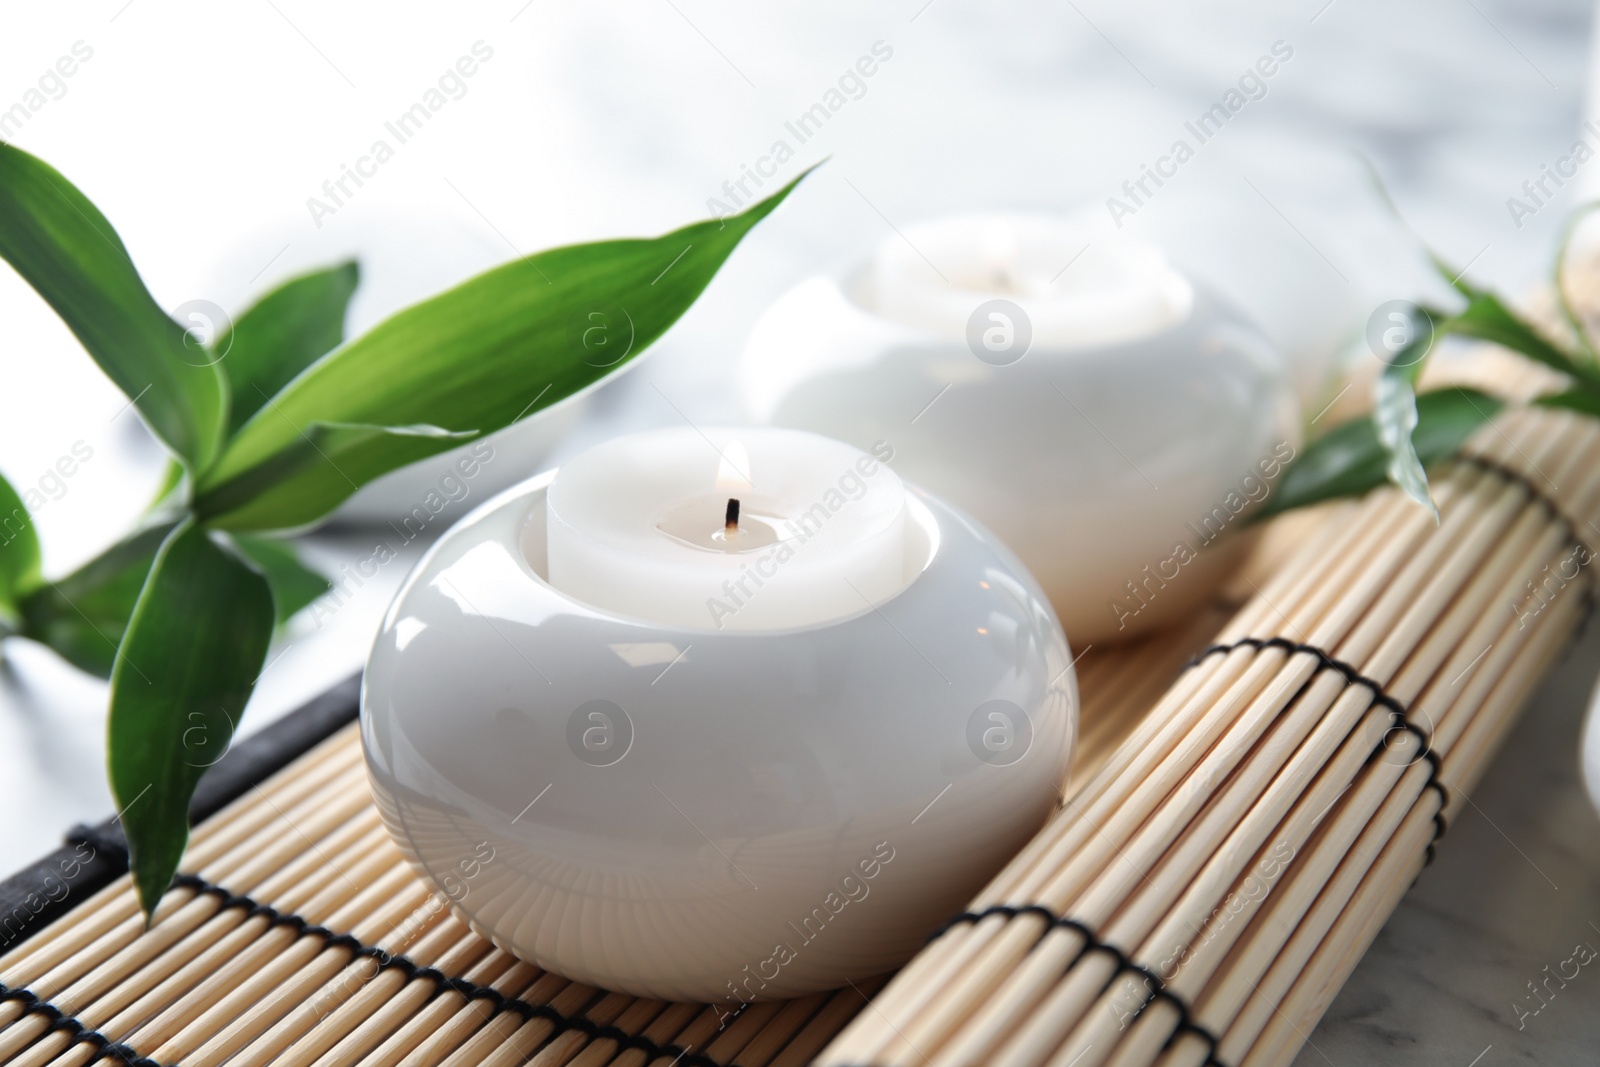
x=733 y=473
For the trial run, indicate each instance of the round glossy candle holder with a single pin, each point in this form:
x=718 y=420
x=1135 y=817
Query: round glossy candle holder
x=1093 y=463
x=713 y=816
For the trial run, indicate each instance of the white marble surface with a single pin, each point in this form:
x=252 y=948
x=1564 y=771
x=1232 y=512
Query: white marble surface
x=202 y=129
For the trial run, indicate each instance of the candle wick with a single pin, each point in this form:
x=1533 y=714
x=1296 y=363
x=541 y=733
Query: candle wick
x=732 y=519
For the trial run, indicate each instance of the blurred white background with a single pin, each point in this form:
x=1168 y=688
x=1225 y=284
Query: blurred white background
x=201 y=130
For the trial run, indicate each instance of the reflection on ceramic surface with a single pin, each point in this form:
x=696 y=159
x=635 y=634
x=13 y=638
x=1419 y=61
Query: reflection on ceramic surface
x=1092 y=463
x=713 y=816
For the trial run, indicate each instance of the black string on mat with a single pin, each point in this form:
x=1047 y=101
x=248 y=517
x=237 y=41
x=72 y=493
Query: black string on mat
x=470 y=990
x=1533 y=489
x=1157 y=988
x=1380 y=697
x=32 y=1004
x=1548 y=502
x=1352 y=676
x=384 y=961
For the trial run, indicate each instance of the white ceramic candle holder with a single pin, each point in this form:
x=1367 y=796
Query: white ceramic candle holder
x=713 y=816
x=1112 y=436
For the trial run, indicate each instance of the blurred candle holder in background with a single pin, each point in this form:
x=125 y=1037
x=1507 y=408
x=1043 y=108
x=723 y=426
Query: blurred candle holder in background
x=1109 y=418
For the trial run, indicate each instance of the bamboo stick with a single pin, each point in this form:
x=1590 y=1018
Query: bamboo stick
x=665 y=1029
x=771 y=1039
x=942 y=974
x=493 y=1045
x=108 y=920
x=275 y=956
x=340 y=1011
x=143 y=992
x=1349 y=939
x=254 y=867
x=70 y=979
x=1396 y=620
x=208 y=953
x=1489 y=578
x=1282 y=912
x=700 y=1032
x=640 y=1014
x=839 y=1010
x=614 y=1009
x=387 y=900
x=1277 y=962
x=1501 y=720
x=1351 y=935
x=1072 y=1050
x=178 y=971
x=489 y=1028
x=1103 y=1043
x=447 y=1020
x=199 y=1009
x=934 y=968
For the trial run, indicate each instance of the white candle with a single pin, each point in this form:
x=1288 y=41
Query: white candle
x=643 y=526
x=699 y=833
x=1131 y=409
x=1076 y=289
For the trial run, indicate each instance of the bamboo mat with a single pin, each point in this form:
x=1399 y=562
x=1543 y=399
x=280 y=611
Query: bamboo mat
x=1203 y=898
x=298 y=935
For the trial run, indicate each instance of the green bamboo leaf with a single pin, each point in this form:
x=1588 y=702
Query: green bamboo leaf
x=325 y=463
x=1350 y=460
x=1455 y=278
x=188 y=663
x=1394 y=416
x=1394 y=410
x=19 y=554
x=478 y=357
x=1419 y=338
x=1488 y=319
x=63 y=246
x=294 y=584
x=83 y=616
x=166 y=491
x=282 y=334
x=1578 y=398
x=1575 y=323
